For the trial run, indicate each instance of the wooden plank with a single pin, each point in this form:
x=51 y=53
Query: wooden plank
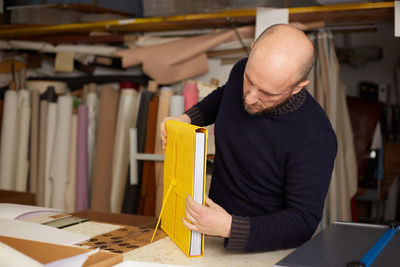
x=75 y=38
x=343 y=7
x=75 y=6
x=366 y=12
x=346 y=16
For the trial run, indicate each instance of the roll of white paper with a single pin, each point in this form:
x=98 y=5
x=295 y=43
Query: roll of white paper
x=8 y=152
x=71 y=180
x=127 y=115
x=22 y=165
x=177 y=106
x=60 y=155
x=92 y=103
x=50 y=133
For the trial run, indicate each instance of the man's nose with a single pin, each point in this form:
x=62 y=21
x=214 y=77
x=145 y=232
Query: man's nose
x=251 y=97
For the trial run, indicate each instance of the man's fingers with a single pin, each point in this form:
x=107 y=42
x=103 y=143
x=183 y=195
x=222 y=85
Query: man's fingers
x=193 y=205
x=164 y=142
x=189 y=225
x=190 y=215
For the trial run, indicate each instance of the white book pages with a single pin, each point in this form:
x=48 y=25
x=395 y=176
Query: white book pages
x=199 y=161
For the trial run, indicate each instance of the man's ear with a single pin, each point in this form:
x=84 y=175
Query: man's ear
x=252 y=45
x=300 y=86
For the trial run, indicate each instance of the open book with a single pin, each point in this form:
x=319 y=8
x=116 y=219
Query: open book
x=184 y=174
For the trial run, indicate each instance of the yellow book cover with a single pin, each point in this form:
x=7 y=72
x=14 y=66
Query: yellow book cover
x=184 y=174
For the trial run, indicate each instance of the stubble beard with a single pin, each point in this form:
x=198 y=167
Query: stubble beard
x=249 y=110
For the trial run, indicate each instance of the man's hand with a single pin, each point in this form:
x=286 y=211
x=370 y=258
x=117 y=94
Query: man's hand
x=182 y=118
x=211 y=219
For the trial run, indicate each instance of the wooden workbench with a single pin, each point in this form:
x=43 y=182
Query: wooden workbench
x=165 y=251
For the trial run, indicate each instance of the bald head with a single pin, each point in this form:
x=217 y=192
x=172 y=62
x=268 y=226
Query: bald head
x=285 y=48
x=277 y=68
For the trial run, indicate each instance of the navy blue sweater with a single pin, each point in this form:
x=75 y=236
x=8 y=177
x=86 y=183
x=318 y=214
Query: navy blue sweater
x=271 y=171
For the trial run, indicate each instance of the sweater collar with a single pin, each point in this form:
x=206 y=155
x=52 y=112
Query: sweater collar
x=291 y=105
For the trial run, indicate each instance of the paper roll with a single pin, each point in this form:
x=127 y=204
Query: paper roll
x=177 y=106
x=8 y=150
x=22 y=165
x=102 y=166
x=69 y=204
x=42 y=153
x=191 y=94
x=163 y=110
x=125 y=121
x=60 y=154
x=92 y=105
x=50 y=133
x=34 y=142
x=81 y=193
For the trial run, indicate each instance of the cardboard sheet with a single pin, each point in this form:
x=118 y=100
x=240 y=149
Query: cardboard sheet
x=177 y=60
x=39 y=251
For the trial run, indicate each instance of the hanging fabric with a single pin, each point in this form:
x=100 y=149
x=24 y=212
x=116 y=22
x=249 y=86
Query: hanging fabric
x=326 y=87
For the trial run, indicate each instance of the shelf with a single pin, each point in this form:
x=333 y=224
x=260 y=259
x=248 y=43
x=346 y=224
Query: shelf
x=348 y=13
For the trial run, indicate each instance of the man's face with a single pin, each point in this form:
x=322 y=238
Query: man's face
x=258 y=98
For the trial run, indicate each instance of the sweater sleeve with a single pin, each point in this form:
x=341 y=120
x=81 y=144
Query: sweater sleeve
x=205 y=112
x=239 y=233
x=308 y=173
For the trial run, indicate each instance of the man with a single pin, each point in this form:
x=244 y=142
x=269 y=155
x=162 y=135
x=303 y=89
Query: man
x=275 y=148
